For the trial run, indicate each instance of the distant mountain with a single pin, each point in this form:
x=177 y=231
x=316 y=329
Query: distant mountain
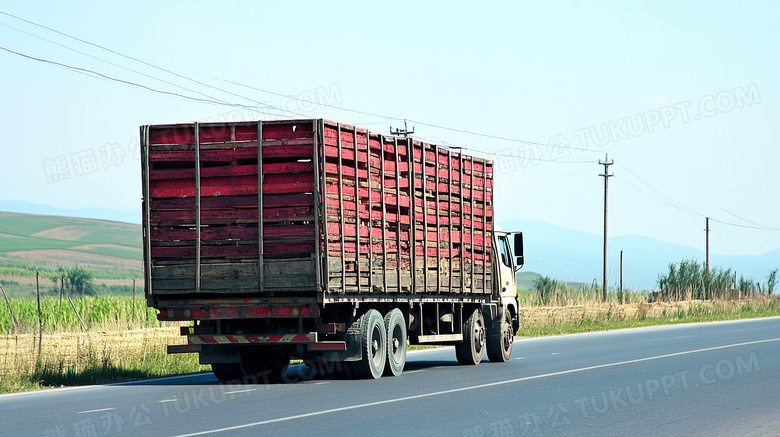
x=91 y=213
x=572 y=255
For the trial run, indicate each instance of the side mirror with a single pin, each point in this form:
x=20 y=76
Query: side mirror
x=519 y=258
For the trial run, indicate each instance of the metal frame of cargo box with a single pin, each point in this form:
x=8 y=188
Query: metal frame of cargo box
x=358 y=213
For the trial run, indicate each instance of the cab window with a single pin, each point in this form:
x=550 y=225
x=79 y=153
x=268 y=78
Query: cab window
x=503 y=247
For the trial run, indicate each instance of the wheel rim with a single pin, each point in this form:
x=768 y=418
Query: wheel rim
x=395 y=344
x=479 y=337
x=508 y=335
x=376 y=349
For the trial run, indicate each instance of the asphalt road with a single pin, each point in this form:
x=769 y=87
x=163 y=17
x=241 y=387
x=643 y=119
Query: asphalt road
x=701 y=379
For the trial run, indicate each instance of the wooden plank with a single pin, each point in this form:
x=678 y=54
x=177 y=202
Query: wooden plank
x=319 y=194
x=146 y=205
x=370 y=248
x=198 y=188
x=188 y=156
x=383 y=206
x=341 y=217
x=356 y=208
x=240 y=185
x=260 y=231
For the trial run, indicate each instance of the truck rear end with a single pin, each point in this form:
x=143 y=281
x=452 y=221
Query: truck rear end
x=278 y=239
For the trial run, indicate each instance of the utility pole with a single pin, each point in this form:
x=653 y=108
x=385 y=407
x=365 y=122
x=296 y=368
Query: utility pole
x=606 y=177
x=707 y=256
x=622 y=296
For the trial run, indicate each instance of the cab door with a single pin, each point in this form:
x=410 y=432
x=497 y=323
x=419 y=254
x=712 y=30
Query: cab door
x=506 y=268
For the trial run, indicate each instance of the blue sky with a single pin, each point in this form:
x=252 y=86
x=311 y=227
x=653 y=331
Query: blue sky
x=684 y=98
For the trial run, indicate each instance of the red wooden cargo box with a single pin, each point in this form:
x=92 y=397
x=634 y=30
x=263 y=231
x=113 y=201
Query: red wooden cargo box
x=346 y=214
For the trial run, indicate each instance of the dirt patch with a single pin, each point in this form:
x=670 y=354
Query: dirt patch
x=110 y=246
x=68 y=233
x=44 y=281
x=69 y=258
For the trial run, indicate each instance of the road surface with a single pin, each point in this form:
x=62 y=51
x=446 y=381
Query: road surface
x=700 y=379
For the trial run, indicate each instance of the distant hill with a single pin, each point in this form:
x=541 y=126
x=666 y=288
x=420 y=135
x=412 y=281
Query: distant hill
x=110 y=251
x=576 y=256
x=93 y=213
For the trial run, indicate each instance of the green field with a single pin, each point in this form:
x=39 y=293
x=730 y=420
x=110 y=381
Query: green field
x=49 y=245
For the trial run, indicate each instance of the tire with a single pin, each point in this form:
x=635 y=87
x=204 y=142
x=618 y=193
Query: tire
x=266 y=364
x=395 y=326
x=373 y=344
x=227 y=371
x=499 y=344
x=472 y=348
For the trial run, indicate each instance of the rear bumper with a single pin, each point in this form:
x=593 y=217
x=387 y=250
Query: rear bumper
x=195 y=343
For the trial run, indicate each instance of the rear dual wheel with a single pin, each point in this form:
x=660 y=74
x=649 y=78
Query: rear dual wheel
x=373 y=347
x=395 y=325
x=383 y=345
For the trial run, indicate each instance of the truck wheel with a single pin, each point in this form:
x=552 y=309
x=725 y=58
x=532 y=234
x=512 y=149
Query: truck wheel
x=264 y=363
x=395 y=326
x=227 y=371
x=470 y=350
x=373 y=343
x=499 y=344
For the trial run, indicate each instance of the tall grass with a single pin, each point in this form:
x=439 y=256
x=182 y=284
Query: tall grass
x=105 y=313
x=553 y=292
x=689 y=279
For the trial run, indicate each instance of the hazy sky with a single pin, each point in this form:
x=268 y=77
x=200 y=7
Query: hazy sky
x=683 y=96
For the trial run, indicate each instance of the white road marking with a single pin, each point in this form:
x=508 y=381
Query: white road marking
x=240 y=391
x=168 y=400
x=100 y=386
x=320 y=383
x=519 y=358
x=414 y=371
x=95 y=411
x=554 y=353
x=474 y=387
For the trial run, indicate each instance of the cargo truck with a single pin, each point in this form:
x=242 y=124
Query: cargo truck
x=315 y=240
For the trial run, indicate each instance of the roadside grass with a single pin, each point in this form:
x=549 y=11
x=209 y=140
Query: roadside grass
x=99 y=360
x=608 y=317
x=121 y=345
x=124 y=342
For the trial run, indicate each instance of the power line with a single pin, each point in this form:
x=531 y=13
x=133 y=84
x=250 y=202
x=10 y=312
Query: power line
x=688 y=210
x=760 y=228
x=744 y=219
x=140 y=61
x=95 y=73
x=668 y=199
x=386 y=117
x=111 y=63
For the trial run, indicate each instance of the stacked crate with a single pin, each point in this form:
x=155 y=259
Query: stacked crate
x=345 y=212
x=203 y=200
x=397 y=206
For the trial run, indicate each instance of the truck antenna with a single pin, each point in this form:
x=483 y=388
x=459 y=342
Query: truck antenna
x=405 y=132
